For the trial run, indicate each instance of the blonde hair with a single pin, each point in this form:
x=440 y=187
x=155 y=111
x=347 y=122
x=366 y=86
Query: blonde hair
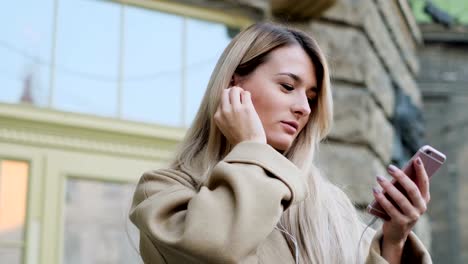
x=325 y=225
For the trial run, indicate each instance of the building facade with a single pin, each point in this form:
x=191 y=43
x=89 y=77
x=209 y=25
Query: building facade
x=94 y=93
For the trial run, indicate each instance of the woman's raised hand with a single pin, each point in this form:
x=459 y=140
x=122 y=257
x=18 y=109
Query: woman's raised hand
x=407 y=210
x=236 y=117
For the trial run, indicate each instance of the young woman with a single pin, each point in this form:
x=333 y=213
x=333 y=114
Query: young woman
x=242 y=188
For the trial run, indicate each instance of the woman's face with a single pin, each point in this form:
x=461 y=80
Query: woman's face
x=283 y=90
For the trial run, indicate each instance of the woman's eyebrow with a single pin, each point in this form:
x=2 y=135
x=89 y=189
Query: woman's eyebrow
x=297 y=79
x=292 y=75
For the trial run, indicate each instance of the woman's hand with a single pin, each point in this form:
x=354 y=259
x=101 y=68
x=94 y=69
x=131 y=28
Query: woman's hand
x=408 y=211
x=236 y=117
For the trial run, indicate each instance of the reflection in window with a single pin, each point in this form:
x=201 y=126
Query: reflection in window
x=11 y=255
x=25 y=45
x=87 y=57
x=13 y=195
x=110 y=59
x=205 y=43
x=97 y=229
x=153 y=62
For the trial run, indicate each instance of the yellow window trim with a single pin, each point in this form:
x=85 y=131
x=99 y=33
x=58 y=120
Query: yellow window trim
x=186 y=10
x=50 y=128
x=25 y=112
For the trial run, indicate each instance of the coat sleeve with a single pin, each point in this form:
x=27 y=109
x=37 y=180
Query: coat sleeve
x=414 y=251
x=226 y=220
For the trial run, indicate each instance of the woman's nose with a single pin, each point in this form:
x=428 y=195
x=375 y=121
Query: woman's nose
x=301 y=106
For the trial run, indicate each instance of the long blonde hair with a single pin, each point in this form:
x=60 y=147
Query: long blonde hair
x=325 y=225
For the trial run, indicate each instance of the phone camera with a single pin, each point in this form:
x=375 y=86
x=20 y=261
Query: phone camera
x=428 y=152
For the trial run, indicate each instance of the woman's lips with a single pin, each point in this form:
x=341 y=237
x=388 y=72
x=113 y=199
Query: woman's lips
x=290 y=126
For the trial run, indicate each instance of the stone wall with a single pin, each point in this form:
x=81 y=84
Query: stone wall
x=444 y=84
x=373 y=59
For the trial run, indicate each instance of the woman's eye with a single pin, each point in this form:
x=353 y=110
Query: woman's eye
x=287 y=87
x=312 y=99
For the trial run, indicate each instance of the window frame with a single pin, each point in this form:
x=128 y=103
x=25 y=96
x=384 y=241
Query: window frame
x=30 y=246
x=60 y=216
x=183 y=10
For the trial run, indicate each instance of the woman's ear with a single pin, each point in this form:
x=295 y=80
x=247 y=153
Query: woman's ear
x=236 y=80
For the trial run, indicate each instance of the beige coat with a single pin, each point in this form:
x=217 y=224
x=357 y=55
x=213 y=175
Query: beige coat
x=231 y=218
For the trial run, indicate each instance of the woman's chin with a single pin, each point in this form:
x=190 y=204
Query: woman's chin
x=280 y=144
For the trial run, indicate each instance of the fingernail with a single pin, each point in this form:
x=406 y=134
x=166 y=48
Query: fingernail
x=392 y=168
x=380 y=178
x=418 y=161
x=375 y=190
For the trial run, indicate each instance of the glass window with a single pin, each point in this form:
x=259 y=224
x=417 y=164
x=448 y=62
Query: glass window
x=87 y=57
x=205 y=43
x=11 y=255
x=13 y=195
x=25 y=48
x=153 y=62
x=97 y=229
x=163 y=61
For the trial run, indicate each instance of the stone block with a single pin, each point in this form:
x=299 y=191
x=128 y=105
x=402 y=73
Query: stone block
x=359 y=120
x=351 y=167
x=444 y=64
x=352 y=59
x=363 y=14
x=400 y=32
x=387 y=50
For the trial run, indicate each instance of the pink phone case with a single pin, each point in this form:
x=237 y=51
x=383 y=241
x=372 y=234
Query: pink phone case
x=432 y=160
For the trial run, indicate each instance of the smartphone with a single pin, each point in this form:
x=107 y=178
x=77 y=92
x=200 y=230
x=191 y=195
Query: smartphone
x=432 y=160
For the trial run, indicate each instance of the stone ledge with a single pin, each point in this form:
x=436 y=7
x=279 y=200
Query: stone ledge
x=299 y=10
x=253 y=10
x=434 y=33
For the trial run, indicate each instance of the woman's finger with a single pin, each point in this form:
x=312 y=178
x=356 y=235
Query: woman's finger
x=391 y=210
x=234 y=96
x=422 y=179
x=412 y=191
x=400 y=200
x=224 y=104
x=246 y=98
